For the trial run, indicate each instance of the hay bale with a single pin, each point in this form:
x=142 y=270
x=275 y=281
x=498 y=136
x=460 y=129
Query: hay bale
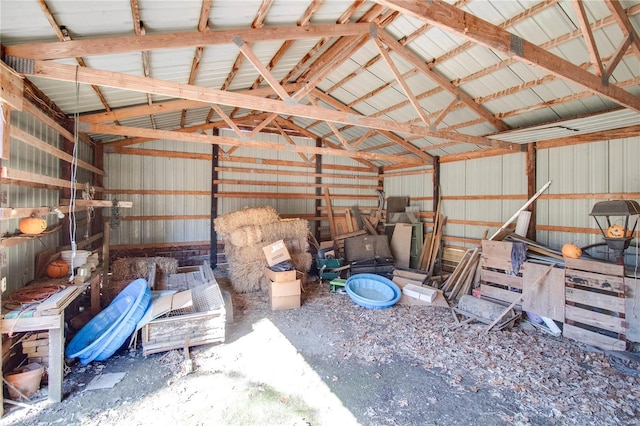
x=131 y=268
x=287 y=229
x=246 y=236
x=256 y=216
x=246 y=277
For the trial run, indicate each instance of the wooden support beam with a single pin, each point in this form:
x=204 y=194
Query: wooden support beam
x=124 y=44
x=11 y=87
x=452 y=19
x=63 y=72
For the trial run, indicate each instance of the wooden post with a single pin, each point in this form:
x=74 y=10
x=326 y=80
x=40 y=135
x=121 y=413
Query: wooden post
x=531 y=187
x=98 y=180
x=213 y=246
x=436 y=182
x=318 y=182
x=106 y=237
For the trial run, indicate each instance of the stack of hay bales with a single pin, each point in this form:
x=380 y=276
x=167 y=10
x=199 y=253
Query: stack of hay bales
x=246 y=232
x=128 y=269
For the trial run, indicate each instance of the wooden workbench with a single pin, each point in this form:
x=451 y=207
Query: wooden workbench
x=49 y=316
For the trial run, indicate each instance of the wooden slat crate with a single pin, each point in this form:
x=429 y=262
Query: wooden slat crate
x=496 y=274
x=199 y=324
x=595 y=304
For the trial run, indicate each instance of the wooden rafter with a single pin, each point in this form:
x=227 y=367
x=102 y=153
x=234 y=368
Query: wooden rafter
x=389 y=135
x=146 y=67
x=55 y=71
x=290 y=141
x=590 y=41
x=63 y=35
x=168 y=106
x=625 y=24
x=466 y=25
x=443 y=82
x=228 y=141
x=400 y=80
x=125 y=44
x=259 y=66
x=293 y=126
x=203 y=25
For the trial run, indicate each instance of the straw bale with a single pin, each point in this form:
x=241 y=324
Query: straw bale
x=247 y=277
x=246 y=236
x=255 y=216
x=131 y=268
x=288 y=229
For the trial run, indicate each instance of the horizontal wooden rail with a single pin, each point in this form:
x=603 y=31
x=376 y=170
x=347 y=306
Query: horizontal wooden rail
x=49 y=149
x=293 y=184
x=164 y=217
x=158 y=245
x=20 y=177
x=156 y=192
x=298 y=195
x=292 y=173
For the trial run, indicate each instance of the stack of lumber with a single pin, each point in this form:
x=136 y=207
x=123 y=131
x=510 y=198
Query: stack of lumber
x=36 y=347
x=432 y=243
x=245 y=232
x=463 y=277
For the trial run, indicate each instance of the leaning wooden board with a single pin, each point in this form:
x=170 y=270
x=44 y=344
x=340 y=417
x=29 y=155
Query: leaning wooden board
x=547 y=297
x=595 y=298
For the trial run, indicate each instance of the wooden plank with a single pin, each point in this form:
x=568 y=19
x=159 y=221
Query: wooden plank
x=58 y=299
x=499 y=294
x=595 y=266
x=497 y=249
x=332 y=224
x=597 y=300
x=148 y=42
x=597 y=281
x=464 y=24
x=545 y=298
x=401 y=244
x=502 y=279
x=595 y=319
x=496 y=262
x=11 y=87
x=45 y=147
x=593 y=339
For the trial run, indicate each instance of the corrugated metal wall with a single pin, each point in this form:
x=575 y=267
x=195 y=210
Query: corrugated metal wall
x=168 y=177
x=608 y=167
x=464 y=183
x=21 y=257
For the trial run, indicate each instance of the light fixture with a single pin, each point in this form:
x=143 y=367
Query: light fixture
x=617 y=235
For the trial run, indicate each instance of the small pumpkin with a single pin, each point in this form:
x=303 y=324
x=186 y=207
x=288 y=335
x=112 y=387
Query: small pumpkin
x=32 y=225
x=571 y=250
x=57 y=269
x=618 y=231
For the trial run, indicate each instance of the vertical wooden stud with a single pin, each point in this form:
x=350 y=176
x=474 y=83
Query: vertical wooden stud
x=531 y=187
x=213 y=246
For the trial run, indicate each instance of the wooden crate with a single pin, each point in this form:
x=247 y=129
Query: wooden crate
x=497 y=281
x=595 y=304
x=202 y=323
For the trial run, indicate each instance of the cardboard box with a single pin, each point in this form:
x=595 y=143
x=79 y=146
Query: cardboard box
x=284 y=295
x=276 y=253
x=283 y=276
x=421 y=293
x=285 y=302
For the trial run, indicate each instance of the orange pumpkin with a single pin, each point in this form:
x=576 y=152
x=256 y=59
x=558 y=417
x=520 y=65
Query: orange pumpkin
x=57 y=269
x=571 y=250
x=617 y=231
x=32 y=225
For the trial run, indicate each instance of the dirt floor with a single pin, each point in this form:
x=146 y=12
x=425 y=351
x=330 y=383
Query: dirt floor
x=332 y=362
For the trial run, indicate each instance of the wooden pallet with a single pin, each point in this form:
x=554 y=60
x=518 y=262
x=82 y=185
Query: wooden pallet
x=497 y=281
x=595 y=304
